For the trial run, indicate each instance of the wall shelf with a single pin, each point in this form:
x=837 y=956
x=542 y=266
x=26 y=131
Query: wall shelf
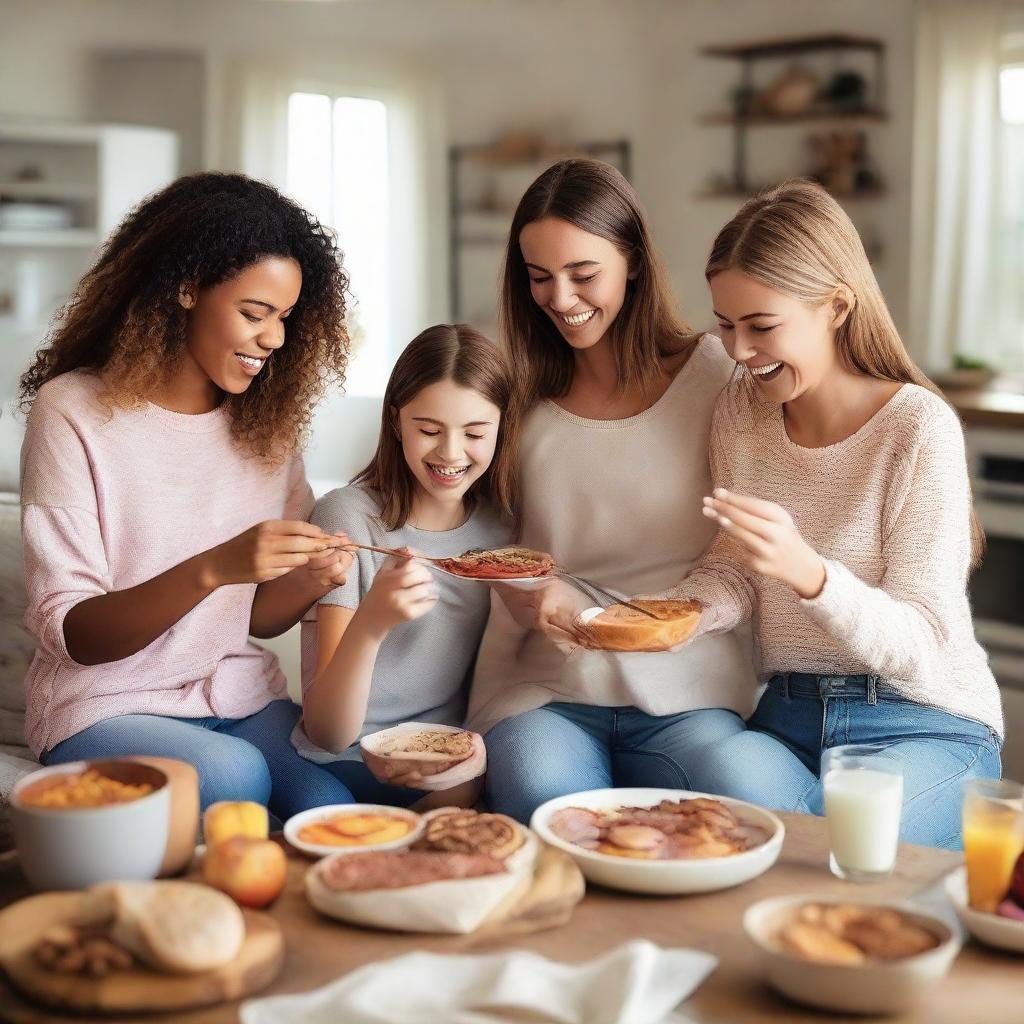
x=868 y=108
x=485 y=183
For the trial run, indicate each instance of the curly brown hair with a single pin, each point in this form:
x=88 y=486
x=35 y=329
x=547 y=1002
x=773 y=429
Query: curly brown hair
x=125 y=321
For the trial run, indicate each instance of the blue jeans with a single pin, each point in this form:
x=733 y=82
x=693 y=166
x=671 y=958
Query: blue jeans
x=236 y=758
x=777 y=761
x=566 y=748
x=365 y=789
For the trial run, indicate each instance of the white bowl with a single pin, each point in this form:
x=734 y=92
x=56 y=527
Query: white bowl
x=876 y=987
x=663 y=877
x=991 y=929
x=73 y=848
x=297 y=822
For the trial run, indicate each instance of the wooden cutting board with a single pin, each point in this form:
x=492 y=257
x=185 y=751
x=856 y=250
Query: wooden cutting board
x=138 y=989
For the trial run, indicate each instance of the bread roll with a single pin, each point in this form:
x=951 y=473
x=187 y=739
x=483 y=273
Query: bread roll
x=179 y=927
x=620 y=628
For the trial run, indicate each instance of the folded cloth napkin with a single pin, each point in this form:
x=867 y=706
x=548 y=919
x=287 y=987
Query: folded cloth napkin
x=635 y=983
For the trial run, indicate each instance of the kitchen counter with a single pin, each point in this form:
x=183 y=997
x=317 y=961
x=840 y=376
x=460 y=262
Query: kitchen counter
x=985 y=407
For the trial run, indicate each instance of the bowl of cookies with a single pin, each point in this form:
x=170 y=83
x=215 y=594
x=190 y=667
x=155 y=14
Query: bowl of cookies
x=847 y=956
x=661 y=841
x=424 y=755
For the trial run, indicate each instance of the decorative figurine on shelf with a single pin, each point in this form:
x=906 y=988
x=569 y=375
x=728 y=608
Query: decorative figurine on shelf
x=846 y=91
x=842 y=163
x=794 y=92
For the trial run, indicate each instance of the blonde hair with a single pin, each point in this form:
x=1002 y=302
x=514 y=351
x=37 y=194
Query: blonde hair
x=459 y=353
x=796 y=239
x=596 y=198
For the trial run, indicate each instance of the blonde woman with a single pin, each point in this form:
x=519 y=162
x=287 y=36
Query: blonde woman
x=846 y=527
x=618 y=395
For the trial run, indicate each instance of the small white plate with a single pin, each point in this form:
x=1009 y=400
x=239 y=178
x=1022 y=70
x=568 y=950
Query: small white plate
x=989 y=929
x=674 y=876
x=297 y=822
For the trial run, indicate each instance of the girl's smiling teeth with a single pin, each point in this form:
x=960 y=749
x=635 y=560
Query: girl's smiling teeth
x=447 y=474
x=251 y=364
x=578 y=319
x=769 y=371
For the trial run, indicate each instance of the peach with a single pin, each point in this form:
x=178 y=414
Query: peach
x=228 y=818
x=251 y=871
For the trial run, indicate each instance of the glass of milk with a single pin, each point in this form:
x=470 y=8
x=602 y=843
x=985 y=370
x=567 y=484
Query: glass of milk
x=863 y=787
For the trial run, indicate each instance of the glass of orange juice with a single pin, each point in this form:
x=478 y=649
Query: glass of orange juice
x=993 y=824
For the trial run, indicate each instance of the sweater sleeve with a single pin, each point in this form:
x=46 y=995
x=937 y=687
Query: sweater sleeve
x=899 y=628
x=718 y=579
x=63 y=553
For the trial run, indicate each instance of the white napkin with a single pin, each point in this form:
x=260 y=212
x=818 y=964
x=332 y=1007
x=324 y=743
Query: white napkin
x=635 y=983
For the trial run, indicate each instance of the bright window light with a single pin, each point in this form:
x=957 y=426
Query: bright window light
x=338 y=169
x=1011 y=95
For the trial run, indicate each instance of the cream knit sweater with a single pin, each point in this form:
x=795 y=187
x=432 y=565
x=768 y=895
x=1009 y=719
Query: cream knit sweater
x=888 y=508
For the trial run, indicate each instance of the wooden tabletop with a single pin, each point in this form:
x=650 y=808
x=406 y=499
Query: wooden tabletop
x=982 y=986
x=1001 y=409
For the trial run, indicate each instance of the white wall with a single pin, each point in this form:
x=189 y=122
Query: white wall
x=592 y=68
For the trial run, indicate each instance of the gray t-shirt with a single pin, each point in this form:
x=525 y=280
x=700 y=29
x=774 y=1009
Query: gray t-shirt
x=422 y=668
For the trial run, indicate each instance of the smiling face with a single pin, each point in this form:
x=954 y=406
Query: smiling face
x=234 y=327
x=577 y=278
x=786 y=345
x=448 y=434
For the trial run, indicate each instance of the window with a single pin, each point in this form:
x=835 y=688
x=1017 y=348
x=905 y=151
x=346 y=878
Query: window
x=1009 y=256
x=337 y=167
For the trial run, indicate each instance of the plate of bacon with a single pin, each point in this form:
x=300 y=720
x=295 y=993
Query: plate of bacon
x=661 y=841
x=499 y=565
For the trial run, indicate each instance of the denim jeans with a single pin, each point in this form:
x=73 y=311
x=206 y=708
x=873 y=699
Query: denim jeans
x=776 y=762
x=237 y=759
x=566 y=748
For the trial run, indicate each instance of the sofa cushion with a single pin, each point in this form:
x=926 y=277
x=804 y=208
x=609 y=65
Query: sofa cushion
x=16 y=643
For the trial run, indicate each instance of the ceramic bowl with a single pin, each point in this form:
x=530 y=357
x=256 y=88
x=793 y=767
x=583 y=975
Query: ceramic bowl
x=295 y=824
x=872 y=988
x=385 y=766
x=72 y=848
x=990 y=929
x=663 y=877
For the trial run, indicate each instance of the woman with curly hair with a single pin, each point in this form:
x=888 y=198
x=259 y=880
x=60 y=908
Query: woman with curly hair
x=164 y=499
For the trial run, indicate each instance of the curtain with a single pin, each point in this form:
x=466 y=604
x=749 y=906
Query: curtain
x=964 y=192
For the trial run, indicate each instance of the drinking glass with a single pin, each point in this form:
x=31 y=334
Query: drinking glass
x=863 y=786
x=993 y=823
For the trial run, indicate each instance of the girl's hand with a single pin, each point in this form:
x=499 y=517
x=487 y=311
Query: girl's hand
x=547 y=607
x=768 y=540
x=265 y=552
x=403 y=590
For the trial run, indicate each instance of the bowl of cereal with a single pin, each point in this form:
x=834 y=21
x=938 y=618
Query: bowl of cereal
x=85 y=822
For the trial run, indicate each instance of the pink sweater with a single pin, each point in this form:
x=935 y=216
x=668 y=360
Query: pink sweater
x=112 y=499
x=888 y=508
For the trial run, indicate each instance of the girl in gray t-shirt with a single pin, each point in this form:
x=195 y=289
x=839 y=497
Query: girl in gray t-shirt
x=396 y=642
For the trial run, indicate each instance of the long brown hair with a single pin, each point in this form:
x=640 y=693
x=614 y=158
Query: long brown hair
x=459 y=353
x=124 y=319
x=596 y=198
x=796 y=239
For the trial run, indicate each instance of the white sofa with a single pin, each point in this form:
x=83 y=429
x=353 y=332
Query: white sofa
x=16 y=646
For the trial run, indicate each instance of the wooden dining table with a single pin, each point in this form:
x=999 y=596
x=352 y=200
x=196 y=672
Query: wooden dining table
x=983 y=986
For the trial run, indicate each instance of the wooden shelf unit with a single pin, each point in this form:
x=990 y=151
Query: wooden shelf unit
x=741 y=120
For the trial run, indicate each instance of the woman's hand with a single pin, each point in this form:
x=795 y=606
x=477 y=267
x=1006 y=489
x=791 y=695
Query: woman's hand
x=265 y=552
x=403 y=590
x=328 y=571
x=547 y=607
x=768 y=540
